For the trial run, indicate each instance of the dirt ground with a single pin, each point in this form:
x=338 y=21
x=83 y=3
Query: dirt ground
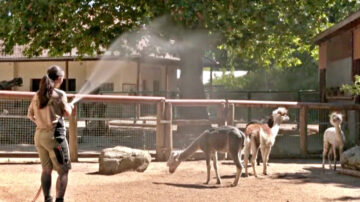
x=288 y=180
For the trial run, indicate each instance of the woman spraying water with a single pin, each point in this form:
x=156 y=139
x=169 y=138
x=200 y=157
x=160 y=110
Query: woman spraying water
x=47 y=109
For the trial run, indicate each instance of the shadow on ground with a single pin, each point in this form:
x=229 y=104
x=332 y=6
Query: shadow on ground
x=191 y=186
x=319 y=175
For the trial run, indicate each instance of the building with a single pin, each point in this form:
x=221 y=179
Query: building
x=125 y=74
x=339 y=62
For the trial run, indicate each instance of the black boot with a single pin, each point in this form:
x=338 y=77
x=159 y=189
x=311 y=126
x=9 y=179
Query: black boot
x=59 y=200
x=48 y=199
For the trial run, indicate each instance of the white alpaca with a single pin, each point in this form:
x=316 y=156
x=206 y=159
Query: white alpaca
x=262 y=136
x=333 y=138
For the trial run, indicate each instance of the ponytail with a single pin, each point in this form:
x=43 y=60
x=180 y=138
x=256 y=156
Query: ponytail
x=47 y=84
x=45 y=91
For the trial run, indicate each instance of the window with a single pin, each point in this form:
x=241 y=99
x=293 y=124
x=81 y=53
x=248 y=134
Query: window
x=35 y=84
x=107 y=87
x=129 y=88
x=156 y=87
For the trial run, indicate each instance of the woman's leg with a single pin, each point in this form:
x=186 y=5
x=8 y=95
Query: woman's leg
x=46 y=183
x=61 y=184
x=46 y=164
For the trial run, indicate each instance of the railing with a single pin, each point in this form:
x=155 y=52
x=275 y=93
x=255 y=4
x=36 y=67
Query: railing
x=116 y=117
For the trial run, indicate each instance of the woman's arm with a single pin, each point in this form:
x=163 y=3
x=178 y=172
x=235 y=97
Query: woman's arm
x=30 y=113
x=67 y=106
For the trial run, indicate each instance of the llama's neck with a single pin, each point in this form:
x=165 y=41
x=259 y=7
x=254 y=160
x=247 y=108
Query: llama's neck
x=192 y=148
x=275 y=129
x=338 y=132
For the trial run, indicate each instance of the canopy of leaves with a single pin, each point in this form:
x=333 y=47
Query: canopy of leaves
x=267 y=33
x=300 y=77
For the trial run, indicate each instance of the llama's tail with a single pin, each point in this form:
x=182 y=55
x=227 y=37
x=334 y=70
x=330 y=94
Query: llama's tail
x=193 y=147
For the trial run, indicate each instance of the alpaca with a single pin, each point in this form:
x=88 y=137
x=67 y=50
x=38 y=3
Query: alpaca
x=333 y=138
x=262 y=136
x=225 y=139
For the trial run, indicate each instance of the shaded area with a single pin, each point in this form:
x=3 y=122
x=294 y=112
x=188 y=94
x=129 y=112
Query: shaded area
x=318 y=175
x=192 y=186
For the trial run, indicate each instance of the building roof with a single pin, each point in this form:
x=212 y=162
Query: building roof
x=173 y=61
x=347 y=23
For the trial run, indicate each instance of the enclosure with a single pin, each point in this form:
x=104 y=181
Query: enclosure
x=151 y=123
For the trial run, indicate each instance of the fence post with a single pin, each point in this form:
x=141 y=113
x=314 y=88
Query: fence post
x=303 y=131
x=249 y=117
x=159 y=130
x=73 y=143
x=230 y=116
x=168 y=136
x=221 y=115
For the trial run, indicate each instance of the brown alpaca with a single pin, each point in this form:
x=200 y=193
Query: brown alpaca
x=262 y=136
x=226 y=139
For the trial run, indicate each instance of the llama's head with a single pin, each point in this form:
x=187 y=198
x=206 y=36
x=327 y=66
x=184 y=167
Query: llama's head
x=173 y=161
x=280 y=115
x=336 y=118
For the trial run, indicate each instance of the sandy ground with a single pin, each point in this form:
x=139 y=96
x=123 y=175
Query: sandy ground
x=288 y=180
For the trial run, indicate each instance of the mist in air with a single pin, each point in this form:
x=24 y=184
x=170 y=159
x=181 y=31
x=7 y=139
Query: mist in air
x=161 y=38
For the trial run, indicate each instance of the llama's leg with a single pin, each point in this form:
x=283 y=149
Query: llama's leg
x=254 y=151
x=239 y=167
x=341 y=151
x=246 y=157
x=325 y=152
x=268 y=155
x=258 y=159
x=215 y=162
x=335 y=157
x=264 y=156
x=329 y=156
x=208 y=167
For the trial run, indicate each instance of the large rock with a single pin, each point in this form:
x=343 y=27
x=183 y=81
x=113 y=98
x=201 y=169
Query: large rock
x=120 y=159
x=351 y=158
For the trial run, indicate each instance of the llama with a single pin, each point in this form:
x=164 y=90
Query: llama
x=262 y=136
x=225 y=139
x=333 y=138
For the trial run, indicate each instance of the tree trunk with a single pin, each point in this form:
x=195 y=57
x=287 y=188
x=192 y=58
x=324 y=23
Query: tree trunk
x=191 y=87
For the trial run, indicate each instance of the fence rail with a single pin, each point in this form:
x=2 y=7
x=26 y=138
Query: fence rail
x=147 y=122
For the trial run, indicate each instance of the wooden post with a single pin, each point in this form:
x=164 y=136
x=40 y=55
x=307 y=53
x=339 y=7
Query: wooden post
x=221 y=115
x=160 y=130
x=303 y=131
x=73 y=144
x=67 y=75
x=249 y=117
x=168 y=132
x=230 y=117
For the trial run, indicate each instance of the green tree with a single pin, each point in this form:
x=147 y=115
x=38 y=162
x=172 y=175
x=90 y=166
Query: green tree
x=267 y=33
x=301 y=77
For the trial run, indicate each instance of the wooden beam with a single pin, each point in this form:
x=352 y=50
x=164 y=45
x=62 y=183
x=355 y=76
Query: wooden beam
x=73 y=144
x=160 y=110
x=168 y=132
x=67 y=75
x=303 y=131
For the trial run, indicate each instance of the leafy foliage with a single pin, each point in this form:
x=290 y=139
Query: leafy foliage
x=301 y=77
x=267 y=33
x=353 y=89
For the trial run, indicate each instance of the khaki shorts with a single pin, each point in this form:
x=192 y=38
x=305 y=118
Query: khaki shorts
x=48 y=149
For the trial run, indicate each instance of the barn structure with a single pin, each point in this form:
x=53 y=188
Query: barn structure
x=132 y=75
x=339 y=62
